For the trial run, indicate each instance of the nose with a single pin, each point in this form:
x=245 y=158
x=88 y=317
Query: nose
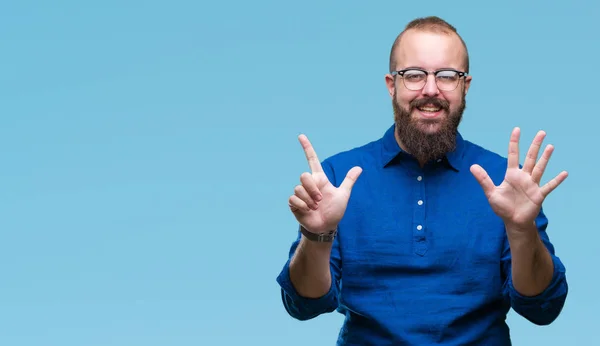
x=430 y=88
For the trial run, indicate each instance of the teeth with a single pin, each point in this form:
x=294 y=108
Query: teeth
x=429 y=109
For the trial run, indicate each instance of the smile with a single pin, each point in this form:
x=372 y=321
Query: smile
x=429 y=109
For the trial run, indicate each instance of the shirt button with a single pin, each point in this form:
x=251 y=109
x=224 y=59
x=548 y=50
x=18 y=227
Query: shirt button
x=419 y=178
x=419 y=227
x=420 y=202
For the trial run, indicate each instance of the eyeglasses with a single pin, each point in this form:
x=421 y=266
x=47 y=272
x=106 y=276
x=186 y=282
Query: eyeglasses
x=415 y=79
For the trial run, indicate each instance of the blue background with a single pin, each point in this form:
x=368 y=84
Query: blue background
x=148 y=150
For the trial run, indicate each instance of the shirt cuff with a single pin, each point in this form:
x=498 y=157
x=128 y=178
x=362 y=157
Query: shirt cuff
x=300 y=307
x=546 y=306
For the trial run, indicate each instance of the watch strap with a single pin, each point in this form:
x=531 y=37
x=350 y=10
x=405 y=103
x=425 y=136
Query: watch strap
x=325 y=237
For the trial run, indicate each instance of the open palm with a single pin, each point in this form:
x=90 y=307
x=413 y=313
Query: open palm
x=518 y=199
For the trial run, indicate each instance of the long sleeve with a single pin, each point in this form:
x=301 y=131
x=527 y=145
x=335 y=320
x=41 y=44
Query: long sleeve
x=544 y=308
x=303 y=308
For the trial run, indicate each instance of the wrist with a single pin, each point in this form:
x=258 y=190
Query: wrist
x=315 y=249
x=522 y=235
x=524 y=240
x=319 y=237
x=520 y=228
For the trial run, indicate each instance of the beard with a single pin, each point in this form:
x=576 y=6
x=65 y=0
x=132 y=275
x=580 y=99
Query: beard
x=422 y=144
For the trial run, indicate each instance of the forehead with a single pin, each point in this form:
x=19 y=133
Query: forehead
x=430 y=50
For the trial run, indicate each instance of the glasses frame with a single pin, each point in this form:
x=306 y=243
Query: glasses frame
x=400 y=73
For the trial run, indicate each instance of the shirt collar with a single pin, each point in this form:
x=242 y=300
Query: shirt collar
x=455 y=157
x=390 y=149
x=389 y=146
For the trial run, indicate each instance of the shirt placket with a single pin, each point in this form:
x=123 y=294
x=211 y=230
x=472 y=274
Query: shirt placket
x=419 y=227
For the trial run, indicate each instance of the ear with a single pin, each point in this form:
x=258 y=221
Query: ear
x=390 y=84
x=467 y=84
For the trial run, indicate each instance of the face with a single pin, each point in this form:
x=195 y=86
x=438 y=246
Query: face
x=427 y=119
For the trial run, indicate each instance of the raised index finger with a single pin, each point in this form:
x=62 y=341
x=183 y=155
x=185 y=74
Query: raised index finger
x=311 y=155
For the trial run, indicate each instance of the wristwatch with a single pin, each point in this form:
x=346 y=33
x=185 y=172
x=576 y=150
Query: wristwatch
x=326 y=237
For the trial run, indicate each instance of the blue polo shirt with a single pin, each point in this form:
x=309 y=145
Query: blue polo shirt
x=420 y=257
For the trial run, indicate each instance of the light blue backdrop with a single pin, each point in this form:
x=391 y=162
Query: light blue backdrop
x=148 y=150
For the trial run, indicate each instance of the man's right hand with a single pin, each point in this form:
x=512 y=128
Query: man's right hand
x=316 y=203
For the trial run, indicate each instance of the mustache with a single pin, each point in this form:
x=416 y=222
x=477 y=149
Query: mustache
x=429 y=101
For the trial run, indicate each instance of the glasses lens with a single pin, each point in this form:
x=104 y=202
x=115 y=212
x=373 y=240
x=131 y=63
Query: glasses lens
x=414 y=79
x=447 y=80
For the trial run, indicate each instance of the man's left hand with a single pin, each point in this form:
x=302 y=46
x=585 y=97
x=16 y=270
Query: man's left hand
x=518 y=199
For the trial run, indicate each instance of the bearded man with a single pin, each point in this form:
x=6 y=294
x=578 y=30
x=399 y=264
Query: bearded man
x=422 y=237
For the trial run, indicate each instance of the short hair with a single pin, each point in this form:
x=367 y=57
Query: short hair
x=431 y=24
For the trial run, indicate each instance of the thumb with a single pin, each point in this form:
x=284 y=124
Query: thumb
x=351 y=178
x=483 y=179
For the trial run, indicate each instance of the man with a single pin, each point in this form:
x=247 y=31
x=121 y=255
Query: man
x=422 y=237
